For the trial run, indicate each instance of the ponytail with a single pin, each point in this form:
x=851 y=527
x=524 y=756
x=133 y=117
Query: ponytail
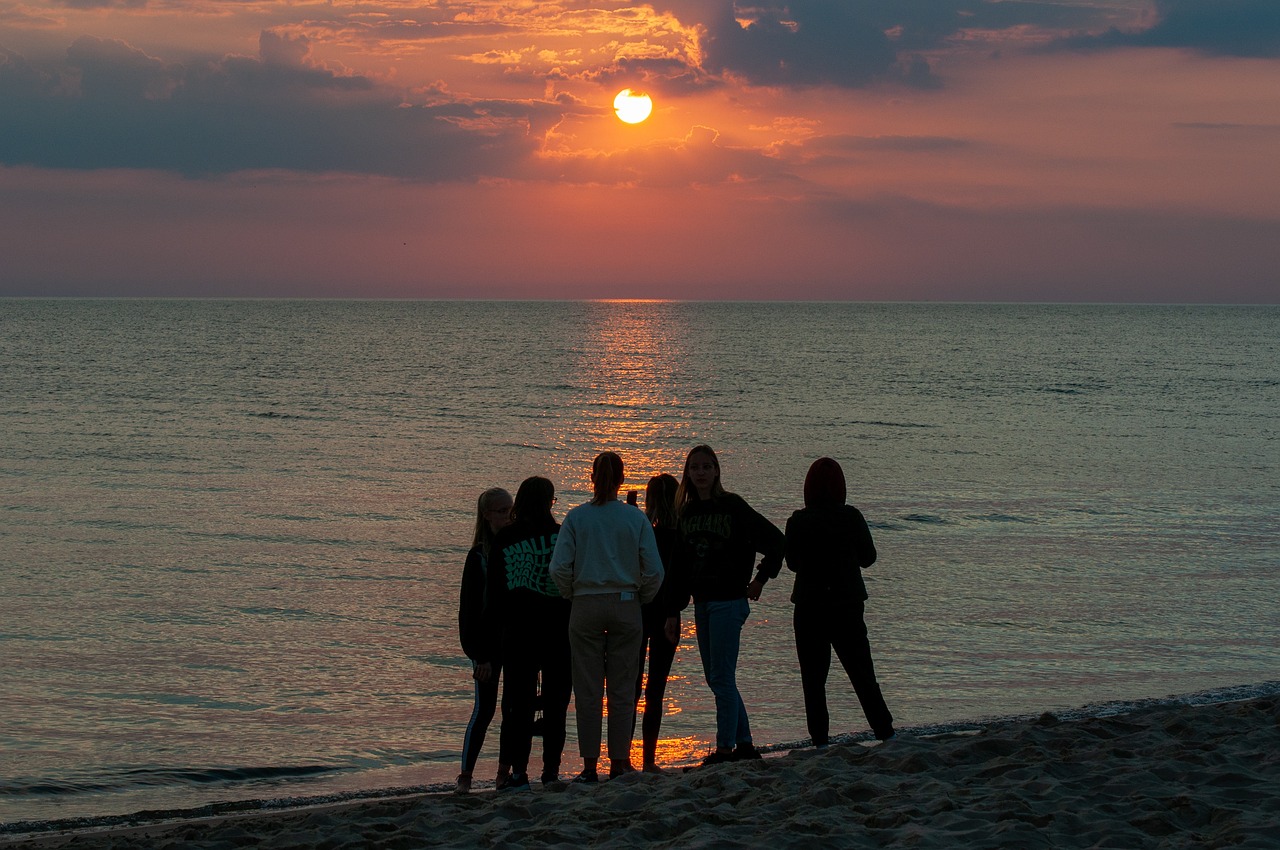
x=606 y=477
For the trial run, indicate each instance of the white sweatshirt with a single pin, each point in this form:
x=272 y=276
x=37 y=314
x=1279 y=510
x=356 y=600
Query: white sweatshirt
x=606 y=548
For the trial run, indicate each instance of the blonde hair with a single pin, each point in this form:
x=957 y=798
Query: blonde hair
x=660 y=500
x=687 y=492
x=484 y=535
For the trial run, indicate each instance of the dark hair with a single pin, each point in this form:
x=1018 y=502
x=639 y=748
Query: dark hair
x=687 y=492
x=660 y=500
x=606 y=477
x=484 y=535
x=534 y=499
x=824 y=485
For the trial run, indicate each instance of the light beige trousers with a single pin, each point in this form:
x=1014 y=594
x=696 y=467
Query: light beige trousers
x=605 y=632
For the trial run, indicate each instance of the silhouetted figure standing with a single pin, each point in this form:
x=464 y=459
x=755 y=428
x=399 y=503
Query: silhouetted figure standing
x=828 y=546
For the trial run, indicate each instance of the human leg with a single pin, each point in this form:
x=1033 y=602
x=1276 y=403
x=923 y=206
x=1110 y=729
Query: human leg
x=813 y=651
x=662 y=653
x=482 y=711
x=719 y=624
x=587 y=641
x=623 y=635
x=519 y=691
x=557 y=686
x=854 y=651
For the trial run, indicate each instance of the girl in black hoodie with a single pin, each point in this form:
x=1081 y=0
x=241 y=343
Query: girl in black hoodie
x=828 y=546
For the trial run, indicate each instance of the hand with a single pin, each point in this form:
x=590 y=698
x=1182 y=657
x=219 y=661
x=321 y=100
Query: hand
x=483 y=672
x=755 y=589
x=672 y=630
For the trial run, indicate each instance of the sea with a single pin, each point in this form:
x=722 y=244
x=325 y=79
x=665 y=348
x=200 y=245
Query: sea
x=232 y=532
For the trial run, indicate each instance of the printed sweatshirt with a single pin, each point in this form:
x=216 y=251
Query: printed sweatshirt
x=719 y=539
x=520 y=590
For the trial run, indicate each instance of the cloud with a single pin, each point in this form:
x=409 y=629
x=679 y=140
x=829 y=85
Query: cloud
x=1243 y=28
x=858 y=43
x=805 y=43
x=112 y=105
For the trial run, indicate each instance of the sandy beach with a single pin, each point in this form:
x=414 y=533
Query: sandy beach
x=1170 y=776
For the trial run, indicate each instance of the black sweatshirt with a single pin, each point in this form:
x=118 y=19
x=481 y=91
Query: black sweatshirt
x=827 y=549
x=719 y=539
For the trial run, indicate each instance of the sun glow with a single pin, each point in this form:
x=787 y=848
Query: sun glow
x=632 y=106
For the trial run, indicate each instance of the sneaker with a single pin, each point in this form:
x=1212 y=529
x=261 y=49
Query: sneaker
x=515 y=782
x=620 y=770
x=746 y=752
x=549 y=778
x=587 y=777
x=464 y=784
x=718 y=757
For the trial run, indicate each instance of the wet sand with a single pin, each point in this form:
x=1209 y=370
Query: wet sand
x=1170 y=776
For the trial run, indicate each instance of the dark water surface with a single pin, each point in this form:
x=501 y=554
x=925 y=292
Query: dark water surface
x=231 y=531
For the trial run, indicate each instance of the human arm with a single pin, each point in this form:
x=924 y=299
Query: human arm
x=770 y=542
x=651 y=568
x=471 y=600
x=563 y=558
x=864 y=549
x=494 y=606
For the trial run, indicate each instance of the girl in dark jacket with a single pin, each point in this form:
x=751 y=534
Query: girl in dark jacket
x=828 y=546
x=493 y=513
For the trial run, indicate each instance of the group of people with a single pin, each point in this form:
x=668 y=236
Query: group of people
x=575 y=608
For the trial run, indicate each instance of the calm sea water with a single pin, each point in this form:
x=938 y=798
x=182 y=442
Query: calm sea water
x=231 y=532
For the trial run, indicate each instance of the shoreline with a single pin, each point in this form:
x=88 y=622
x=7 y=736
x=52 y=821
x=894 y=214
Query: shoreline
x=1091 y=775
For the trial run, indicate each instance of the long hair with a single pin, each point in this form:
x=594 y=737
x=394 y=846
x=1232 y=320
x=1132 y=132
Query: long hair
x=484 y=535
x=687 y=492
x=534 y=500
x=660 y=500
x=606 y=477
x=824 y=485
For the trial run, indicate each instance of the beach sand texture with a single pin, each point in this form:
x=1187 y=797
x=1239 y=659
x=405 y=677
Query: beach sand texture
x=1170 y=777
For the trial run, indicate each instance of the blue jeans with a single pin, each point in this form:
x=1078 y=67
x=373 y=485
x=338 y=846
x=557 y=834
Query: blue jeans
x=719 y=624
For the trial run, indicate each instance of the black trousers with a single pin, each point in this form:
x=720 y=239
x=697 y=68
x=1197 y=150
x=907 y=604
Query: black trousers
x=531 y=650
x=838 y=624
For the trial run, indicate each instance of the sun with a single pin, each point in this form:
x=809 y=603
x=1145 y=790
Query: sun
x=632 y=106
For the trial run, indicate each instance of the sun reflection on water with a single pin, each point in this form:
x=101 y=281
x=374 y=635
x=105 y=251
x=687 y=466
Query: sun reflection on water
x=628 y=380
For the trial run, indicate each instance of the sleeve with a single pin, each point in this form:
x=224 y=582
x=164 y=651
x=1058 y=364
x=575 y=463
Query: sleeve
x=768 y=541
x=651 y=569
x=471 y=605
x=794 y=543
x=563 y=558
x=668 y=594
x=864 y=549
x=494 y=606
x=679 y=588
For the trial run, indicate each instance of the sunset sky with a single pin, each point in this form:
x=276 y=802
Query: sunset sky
x=995 y=150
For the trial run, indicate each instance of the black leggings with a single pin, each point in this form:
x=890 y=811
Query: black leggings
x=662 y=653
x=482 y=711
